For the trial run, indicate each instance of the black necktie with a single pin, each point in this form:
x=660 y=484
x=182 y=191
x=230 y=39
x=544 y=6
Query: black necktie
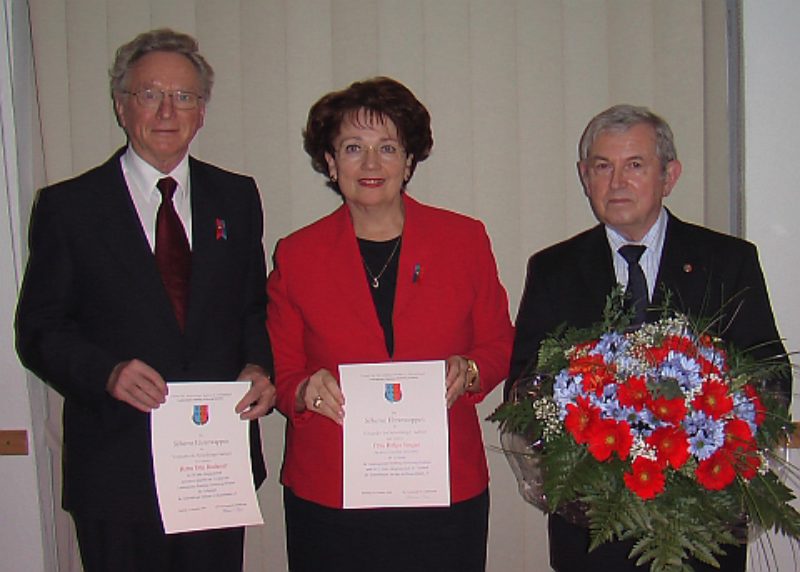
x=636 y=293
x=173 y=256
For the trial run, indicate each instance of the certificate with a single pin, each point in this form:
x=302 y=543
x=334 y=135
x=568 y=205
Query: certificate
x=395 y=435
x=201 y=458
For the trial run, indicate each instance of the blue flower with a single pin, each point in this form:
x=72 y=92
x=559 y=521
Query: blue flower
x=745 y=409
x=706 y=435
x=683 y=369
x=611 y=345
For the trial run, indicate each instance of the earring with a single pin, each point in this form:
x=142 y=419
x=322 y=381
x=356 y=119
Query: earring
x=334 y=178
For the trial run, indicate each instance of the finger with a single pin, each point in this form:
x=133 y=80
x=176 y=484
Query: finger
x=327 y=403
x=138 y=384
x=262 y=405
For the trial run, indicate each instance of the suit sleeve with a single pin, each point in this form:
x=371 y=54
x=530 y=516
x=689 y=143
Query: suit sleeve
x=257 y=348
x=48 y=336
x=752 y=325
x=285 y=322
x=493 y=332
x=535 y=319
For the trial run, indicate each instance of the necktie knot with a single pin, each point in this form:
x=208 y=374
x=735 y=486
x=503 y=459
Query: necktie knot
x=167 y=186
x=632 y=252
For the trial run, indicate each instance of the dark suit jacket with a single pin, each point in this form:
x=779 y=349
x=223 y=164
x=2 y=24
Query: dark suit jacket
x=708 y=273
x=448 y=301
x=92 y=297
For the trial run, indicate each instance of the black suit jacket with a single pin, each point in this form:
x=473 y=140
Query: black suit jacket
x=92 y=297
x=708 y=273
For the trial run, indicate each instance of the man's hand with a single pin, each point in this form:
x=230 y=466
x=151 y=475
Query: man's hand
x=137 y=384
x=260 y=398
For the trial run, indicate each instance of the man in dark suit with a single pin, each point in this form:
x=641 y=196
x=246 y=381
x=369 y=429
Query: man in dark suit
x=124 y=292
x=627 y=166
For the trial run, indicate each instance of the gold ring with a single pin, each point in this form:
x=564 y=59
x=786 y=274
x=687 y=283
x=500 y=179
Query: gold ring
x=317 y=402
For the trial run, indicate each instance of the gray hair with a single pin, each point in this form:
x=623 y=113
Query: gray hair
x=622 y=117
x=161 y=40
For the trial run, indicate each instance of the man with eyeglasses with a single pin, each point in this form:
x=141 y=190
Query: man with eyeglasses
x=146 y=269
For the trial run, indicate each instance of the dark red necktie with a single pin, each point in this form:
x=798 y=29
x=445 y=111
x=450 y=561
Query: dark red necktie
x=173 y=257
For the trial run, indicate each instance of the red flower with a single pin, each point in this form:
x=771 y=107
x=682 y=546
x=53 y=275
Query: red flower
x=669 y=410
x=647 y=479
x=580 y=417
x=716 y=472
x=594 y=372
x=633 y=393
x=752 y=395
x=741 y=447
x=607 y=436
x=672 y=445
x=680 y=344
x=707 y=368
x=713 y=399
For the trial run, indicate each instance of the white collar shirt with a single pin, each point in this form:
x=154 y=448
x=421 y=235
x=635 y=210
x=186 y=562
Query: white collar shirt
x=650 y=260
x=141 y=178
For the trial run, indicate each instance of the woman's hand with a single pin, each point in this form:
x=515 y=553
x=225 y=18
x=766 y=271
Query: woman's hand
x=460 y=378
x=320 y=394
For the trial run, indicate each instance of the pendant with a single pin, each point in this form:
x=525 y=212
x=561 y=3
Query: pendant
x=375 y=283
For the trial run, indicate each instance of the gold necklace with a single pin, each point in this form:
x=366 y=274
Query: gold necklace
x=375 y=281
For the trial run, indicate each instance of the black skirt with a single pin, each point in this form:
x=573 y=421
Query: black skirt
x=393 y=539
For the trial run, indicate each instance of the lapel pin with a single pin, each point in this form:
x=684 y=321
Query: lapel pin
x=221 y=230
x=417 y=273
x=687 y=268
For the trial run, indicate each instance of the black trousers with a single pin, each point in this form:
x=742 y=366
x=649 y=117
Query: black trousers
x=110 y=546
x=569 y=552
x=449 y=539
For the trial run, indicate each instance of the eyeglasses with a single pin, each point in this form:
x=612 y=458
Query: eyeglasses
x=388 y=151
x=152 y=98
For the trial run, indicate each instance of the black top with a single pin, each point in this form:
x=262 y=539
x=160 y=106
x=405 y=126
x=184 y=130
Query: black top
x=375 y=255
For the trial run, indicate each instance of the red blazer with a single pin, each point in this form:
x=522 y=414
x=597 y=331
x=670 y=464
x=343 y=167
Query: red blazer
x=449 y=301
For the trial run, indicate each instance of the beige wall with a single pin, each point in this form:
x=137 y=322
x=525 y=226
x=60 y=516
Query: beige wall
x=510 y=85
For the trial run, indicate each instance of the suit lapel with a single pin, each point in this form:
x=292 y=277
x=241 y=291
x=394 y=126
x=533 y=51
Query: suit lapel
x=414 y=257
x=123 y=234
x=208 y=248
x=344 y=269
x=596 y=270
x=682 y=269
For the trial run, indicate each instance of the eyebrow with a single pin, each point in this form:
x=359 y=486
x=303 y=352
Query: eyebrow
x=602 y=158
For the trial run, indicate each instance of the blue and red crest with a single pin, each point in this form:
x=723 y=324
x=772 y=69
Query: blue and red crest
x=392 y=392
x=200 y=414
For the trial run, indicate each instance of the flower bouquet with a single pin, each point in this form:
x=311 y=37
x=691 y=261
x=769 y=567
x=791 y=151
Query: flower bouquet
x=656 y=435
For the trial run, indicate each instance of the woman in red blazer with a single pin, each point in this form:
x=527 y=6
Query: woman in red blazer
x=382 y=278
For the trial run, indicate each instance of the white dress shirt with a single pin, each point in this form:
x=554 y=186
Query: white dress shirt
x=142 y=178
x=650 y=260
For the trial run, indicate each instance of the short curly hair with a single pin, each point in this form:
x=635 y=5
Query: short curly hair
x=381 y=98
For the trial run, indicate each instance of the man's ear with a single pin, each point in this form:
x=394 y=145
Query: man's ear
x=583 y=175
x=672 y=173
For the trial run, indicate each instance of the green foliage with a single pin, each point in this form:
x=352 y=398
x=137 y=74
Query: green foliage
x=686 y=519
